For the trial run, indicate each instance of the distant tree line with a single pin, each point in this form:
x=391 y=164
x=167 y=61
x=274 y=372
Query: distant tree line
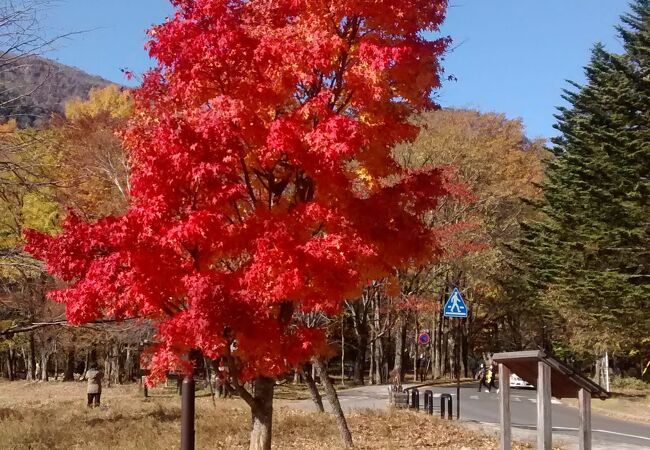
x=548 y=244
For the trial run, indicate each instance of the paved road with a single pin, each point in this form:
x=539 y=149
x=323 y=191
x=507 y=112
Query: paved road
x=482 y=409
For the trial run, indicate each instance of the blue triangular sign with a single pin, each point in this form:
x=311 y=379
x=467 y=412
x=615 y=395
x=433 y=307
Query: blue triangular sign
x=455 y=306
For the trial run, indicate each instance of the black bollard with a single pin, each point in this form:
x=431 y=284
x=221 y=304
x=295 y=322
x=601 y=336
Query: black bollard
x=415 y=399
x=449 y=405
x=187 y=414
x=428 y=401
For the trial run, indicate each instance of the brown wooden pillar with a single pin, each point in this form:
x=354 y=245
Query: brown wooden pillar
x=584 y=400
x=544 y=423
x=504 y=407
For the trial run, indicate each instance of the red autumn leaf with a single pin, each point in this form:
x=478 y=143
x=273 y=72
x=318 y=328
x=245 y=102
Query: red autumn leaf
x=263 y=181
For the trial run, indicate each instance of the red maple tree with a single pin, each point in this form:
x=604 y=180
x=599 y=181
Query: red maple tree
x=263 y=181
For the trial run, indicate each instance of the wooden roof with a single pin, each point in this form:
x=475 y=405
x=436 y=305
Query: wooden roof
x=565 y=382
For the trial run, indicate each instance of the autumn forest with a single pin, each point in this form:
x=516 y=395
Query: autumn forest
x=282 y=196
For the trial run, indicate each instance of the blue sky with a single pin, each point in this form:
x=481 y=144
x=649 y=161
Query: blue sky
x=510 y=56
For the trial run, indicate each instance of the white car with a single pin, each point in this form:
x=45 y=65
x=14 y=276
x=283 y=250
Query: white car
x=517 y=382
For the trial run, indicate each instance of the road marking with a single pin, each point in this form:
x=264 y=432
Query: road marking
x=624 y=434
x=606 y=432
x=474 y=397
x=517 y=399
x=616 y=433
x=554 y=401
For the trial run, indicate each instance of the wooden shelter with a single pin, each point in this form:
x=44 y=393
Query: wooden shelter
x=551 y=378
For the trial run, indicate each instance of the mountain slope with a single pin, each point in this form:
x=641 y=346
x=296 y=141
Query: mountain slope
x=32 y=88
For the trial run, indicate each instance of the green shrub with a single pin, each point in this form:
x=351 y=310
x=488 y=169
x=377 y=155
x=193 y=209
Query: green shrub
x=629 y=383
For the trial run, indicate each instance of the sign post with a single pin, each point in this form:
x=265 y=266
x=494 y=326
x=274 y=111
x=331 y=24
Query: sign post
x=456 y=308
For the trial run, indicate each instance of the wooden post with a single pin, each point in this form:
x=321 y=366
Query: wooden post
x=544 y=423
x=504 y=407
x=584 y=399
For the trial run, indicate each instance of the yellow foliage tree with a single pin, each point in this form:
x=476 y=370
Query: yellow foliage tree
x=112 y=100
x=93 y=172
x=502 y=170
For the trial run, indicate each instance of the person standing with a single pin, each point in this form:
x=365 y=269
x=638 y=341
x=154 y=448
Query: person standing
x=421 y=368
x=494 y=368
x=482 y=375
x=94 y=389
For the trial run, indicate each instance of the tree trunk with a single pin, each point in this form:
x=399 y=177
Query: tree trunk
x=359 y=310
x=442 y=354
x=360 y=360
x=114 y=363
x=398 y=367
x=208 y=375
x=598 y=372
x=371 y=372
x=10 y=364
x=437 y=355
x=44 y=359
x=262 y=412
x=24 y=355
x=68 y=375
x=107 y=367
x=449 y=340
x=379 y=362
x=343 y=350
x=384 y=364
x=333 y=398
x=86 y=366
x=415 y=350
x=118 y=367
x=129 y=374
x=313 y=390
x=377 y=350
x=31 y=358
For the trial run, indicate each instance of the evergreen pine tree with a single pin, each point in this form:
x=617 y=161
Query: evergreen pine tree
x=588 y=258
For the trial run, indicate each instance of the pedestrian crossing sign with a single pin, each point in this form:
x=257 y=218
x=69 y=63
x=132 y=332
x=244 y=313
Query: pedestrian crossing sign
x=455 y=306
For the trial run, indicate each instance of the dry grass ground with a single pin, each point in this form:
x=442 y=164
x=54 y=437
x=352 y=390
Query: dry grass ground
x=626 y=404
x=53 y=416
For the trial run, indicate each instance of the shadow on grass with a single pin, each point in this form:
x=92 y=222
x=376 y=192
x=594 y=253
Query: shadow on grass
x=8 y=413
x=159 y=415
x=640 y=395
